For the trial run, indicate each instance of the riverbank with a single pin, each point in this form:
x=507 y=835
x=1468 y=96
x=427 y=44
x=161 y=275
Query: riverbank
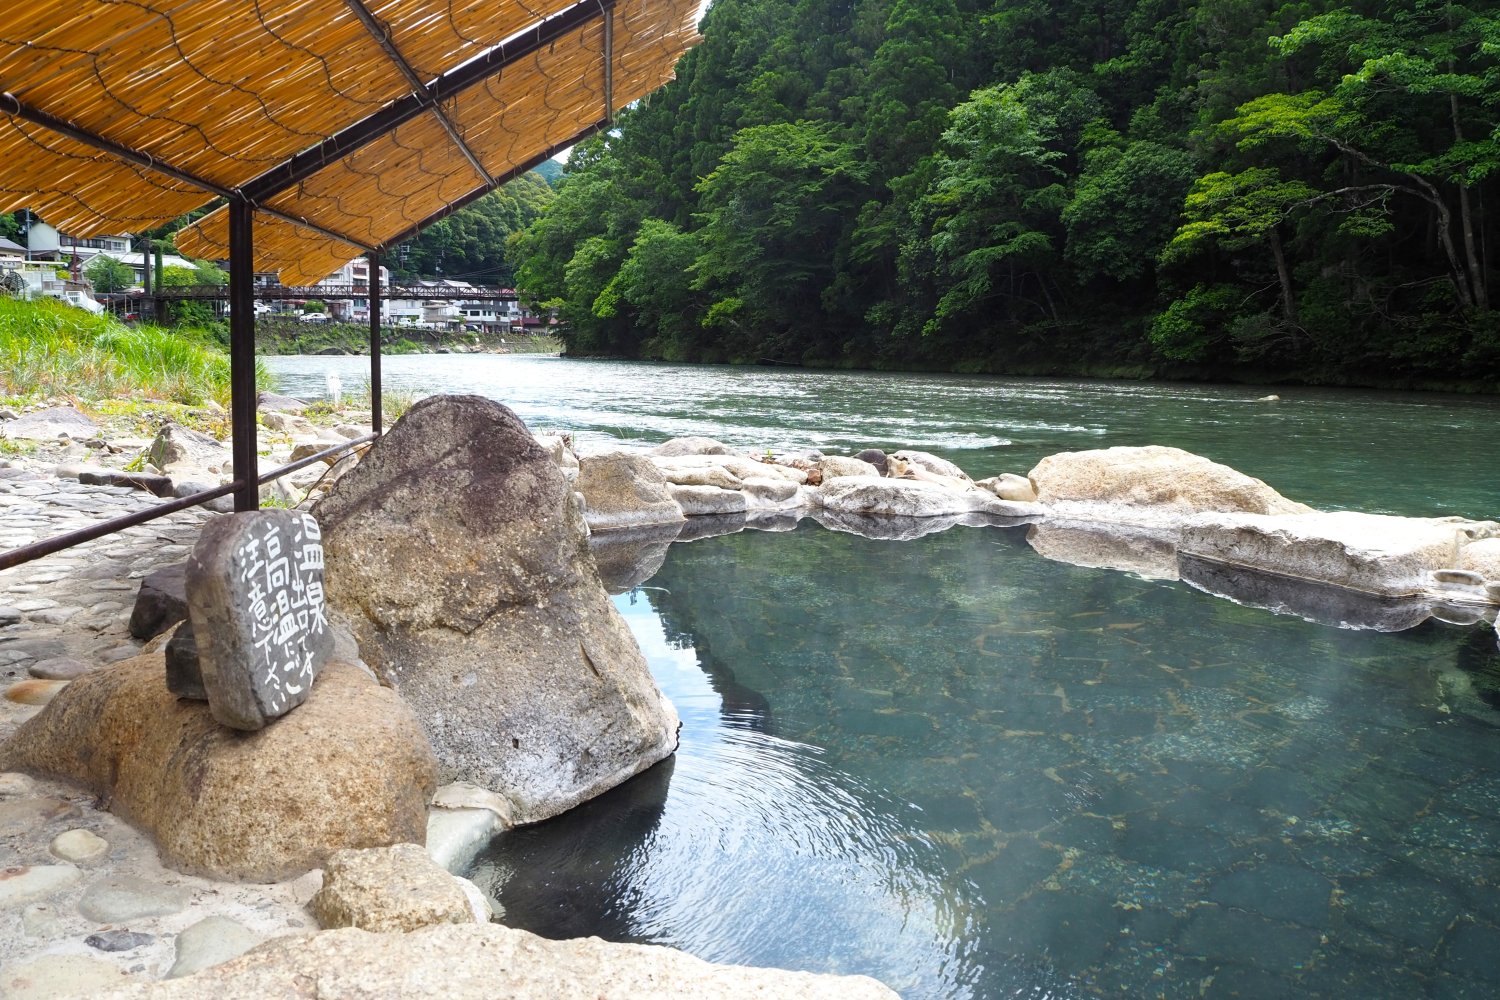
x=283 y=335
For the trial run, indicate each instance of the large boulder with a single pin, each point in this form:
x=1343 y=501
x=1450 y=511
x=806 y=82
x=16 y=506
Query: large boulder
x=623 y=490
x=350 y=768
x=1375 y=553
x=459 y=554
x=1148 y=485
x=480 y=962
x=911 y=498
x=840 y=467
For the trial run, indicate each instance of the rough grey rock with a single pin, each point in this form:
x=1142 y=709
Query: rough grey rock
x=51 y=424
x=396 y=888
x=161 y=602
x=350 y=768
x=160 y=486
x=692 y=446
x=457 y=552
x=9 y=615
x=209 y=942
x=622 y=490
x=255 y=597
x=771 y=492
x=191 y=487
x=16 y=786
x=117 y=898
x=933 y=464
x=176 y=444
x=472 y=961
x=696 y=501
x=875 y=457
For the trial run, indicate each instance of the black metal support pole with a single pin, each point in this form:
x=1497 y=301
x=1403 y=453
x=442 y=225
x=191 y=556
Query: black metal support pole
x=242 y=352
x=375 y=293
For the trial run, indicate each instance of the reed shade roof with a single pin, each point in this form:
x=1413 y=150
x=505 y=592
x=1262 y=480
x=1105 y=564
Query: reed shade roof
x=228 y=89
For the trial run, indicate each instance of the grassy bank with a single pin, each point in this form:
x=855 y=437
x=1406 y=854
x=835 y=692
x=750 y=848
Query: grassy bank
x=50 y=350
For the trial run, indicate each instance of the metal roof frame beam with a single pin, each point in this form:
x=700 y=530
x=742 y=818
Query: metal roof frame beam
x=398 y=113
x=382 y=35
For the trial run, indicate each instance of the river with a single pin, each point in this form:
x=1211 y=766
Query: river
x=973 y=772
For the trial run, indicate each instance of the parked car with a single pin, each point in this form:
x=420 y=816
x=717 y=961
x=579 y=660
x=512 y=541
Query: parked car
x=314 y=317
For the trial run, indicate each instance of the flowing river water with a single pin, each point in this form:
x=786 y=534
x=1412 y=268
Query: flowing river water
x=970 y=771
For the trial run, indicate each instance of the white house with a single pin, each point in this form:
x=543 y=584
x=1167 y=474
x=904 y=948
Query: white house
x=46 y=243
x=11 y=254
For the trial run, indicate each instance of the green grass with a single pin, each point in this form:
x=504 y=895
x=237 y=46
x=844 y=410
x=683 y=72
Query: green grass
x=48 y=350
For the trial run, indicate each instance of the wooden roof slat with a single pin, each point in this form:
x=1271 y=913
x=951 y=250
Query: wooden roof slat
x=245 y=96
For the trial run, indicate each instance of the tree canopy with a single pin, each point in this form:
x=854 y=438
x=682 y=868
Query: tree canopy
x=1214 y=188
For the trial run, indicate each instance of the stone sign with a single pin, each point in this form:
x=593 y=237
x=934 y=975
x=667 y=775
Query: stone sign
x=255 y=599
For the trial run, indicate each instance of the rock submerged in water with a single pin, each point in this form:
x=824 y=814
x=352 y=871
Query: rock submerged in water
x=460 y=556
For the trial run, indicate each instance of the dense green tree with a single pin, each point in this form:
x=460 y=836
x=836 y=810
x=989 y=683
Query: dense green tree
x=109 y=275
x=1178 y=187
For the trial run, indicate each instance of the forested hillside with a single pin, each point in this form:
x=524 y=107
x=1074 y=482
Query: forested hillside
x=1209 y=188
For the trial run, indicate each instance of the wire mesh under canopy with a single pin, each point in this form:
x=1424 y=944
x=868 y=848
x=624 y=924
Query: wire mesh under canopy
x=348 y=124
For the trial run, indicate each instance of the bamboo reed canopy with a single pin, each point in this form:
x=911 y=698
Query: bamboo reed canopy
x=348 y=125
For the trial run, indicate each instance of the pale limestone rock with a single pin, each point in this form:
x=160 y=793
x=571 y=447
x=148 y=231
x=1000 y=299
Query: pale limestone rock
x=691 y=446
x=622 y=490
x=697 y=501
x=1481 y=556
x=349 y=769
x=738 y=466
x=80 y=847
x=1150 y=485
x=715 y=476
x=909 y=498
x=841 y=467
x=211 y=941
x=1374 y=553
x=482 y=962
x=933 y=464
x=1009 y=486
x=771 y=493
x=396 y=888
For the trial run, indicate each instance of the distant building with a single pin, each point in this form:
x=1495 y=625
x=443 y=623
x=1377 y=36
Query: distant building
x=46 y=243
x=11 y=253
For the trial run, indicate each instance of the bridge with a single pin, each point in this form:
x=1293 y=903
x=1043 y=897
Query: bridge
x=276 y=292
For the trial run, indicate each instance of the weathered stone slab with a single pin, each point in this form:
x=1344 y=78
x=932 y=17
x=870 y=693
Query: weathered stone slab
x=1317 y=602
x=271 y=402
x=1376 y=553
x=697 y=501
x=160 y=486
x=184 y=675
x=870 y=494
x=50 y=424
x=255 y=597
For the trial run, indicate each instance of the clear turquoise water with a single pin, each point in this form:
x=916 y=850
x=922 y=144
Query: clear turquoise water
x=969 y=771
